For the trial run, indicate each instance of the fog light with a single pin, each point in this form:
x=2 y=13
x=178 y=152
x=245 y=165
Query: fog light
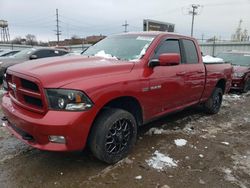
x=235 y=85
x=57 y=139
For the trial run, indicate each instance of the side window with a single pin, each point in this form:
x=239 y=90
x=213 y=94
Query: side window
x=190 y=52
x=42 y=53
x=168 y=46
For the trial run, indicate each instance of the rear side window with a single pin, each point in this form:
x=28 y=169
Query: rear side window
x=168 y=46
x=190 y=52
x=42 y=53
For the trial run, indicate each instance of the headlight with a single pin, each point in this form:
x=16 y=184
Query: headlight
x=238 y=74
x=69 y=100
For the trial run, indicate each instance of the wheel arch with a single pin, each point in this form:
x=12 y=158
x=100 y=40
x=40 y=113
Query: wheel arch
x=222 y=84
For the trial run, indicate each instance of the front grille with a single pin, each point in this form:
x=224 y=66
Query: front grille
x=29 y=85
x=25 y=93
x=33 y=101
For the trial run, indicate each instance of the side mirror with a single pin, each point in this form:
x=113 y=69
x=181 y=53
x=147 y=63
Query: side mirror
x=169 y=59
x=166 y=59
x=33 y=57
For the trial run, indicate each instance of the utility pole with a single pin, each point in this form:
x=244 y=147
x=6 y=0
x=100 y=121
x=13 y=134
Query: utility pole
x=125 y=26
x=58 y=32
x=193 y=12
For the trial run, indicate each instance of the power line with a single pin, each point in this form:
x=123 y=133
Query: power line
x=125 y=25
x=193 y=12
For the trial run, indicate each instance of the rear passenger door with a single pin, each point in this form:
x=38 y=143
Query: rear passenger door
x=193 y=74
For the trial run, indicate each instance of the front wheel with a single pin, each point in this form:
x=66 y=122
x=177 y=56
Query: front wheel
x=213 y=104
x=113 y=135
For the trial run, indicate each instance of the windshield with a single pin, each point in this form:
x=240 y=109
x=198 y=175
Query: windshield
x=124 y=47
x=24 y=53
x=240 y=59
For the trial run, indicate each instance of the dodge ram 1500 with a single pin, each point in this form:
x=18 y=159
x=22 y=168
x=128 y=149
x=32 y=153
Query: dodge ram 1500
x=100 y=99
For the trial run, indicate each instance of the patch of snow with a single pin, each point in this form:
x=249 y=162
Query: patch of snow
x=247 y=120
x=160 y=161
x=201 y=156
x=180 y=142
x=104 y=55
x=210 y=59
x=138 y=177
x=155 y=131
x=232 y=97
x=225 y=143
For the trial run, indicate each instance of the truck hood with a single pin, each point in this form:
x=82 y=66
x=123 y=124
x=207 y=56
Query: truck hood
x=59 y=71
x=241 y=69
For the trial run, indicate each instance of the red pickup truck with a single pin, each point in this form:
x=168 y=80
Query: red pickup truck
x=99 y=100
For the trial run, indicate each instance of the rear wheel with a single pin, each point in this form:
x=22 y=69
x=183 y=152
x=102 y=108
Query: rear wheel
x=113 y=135
x=213 y=104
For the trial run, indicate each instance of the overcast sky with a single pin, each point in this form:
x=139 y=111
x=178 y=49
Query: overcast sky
x=88 y=17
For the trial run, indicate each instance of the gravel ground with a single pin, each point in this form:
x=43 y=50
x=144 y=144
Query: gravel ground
x=186 y=149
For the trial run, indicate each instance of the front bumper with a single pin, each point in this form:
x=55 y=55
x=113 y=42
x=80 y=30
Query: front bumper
x=34 y=129
x=237 y=83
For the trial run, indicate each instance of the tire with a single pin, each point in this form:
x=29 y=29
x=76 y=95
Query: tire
x=113 y=135
x=213 y=104
x=246 y=86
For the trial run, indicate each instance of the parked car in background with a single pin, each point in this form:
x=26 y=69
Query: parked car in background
x=28 y=54
x=241 y=66
x=8 y=53
x=101 y=98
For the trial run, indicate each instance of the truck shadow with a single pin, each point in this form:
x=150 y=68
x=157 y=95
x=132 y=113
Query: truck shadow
x=173 y=121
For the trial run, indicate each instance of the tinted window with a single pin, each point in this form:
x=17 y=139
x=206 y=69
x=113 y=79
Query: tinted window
x=43 y=53
x=49 y=53
x=190 y=52
x=168 y=46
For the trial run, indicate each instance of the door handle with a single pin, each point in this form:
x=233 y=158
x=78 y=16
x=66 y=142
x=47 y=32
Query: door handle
x=181 y=73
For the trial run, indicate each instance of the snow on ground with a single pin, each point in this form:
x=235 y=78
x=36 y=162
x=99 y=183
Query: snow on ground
x=231 y=178
x=180 y=142
x=138 y=177
x=227 y=99
x=232 y=97
x=154 y=130
x=225 y=143
x=161 y=162
x=210 y=59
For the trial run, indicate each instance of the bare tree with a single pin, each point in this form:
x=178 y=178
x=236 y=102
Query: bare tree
x=31 y=39
x=17 y=40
